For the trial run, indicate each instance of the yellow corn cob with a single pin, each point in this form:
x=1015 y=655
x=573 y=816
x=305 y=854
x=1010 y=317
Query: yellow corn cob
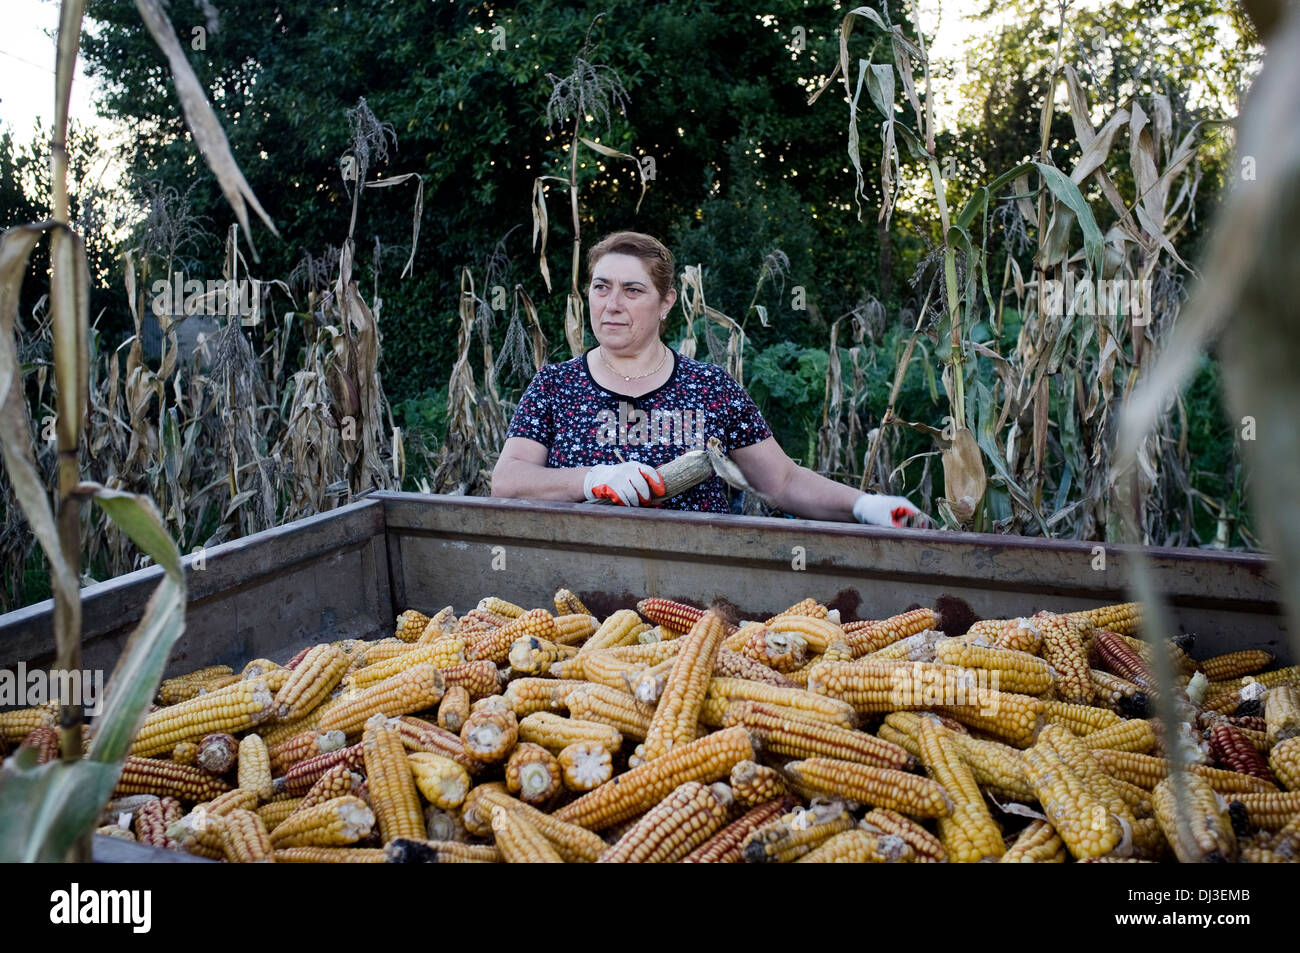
x=1282 y=713
x=1038 y=843
x=1133 y=735
x=794 y=835
x=531 y=655
x=336 y=823
x=674 y=827
x=881 y=685
x=794 y=737
x=181 y=781
x=519 y=841
x=608 y=706
x=442 y=781
x=1021 y=635
x=725 y=691
x=1209 y=836
x=245 y=839
x=273 y=813
x=1146 y=772
x=621 y=628
x=200 y=834
x=255 y=767
x=411 y=690
x=782 y=651
x=528 y=695
x=454 y=708
x=1149 y=841
x=1269 y=812
x=1124 y=618
x=500 y=607
x=708 y=759
x=585 y=765
x=805 y=607
x=998 y=768
x=186 y=752
x=410 y=625
x=311 y=681
x=1236 y=664
x=1008 y=716
x=1081 y=719
x=182 y=688
x=240 y=799
x=393 y=793
x=575 y=845
x=566 y=602
x=880 y=787
x=1077 y=814
x=299 y=779
x=441 y=623
x=968 y=831
x=857 y=846
x=1063 y=648
x=914 y=648
x=420 y=735
x=443 y=653
x=234 y=708
x=329 y=855
x=753 y=784
x=647 y=683
x=339 y=781
x=1284 y=761
x=489 y=734
x=676 y=716
x=575 y=628
x=275 y=734
x=926 y=848
x=816 y=633
x=659 y=633
x=496 y=645
x=1016 y=671
x=554 y=732
x=1118 y=694
x=865 y=638
x=302 y=746
x=384 y=650
x=479 y=678
x=1085 y=765
x=532 y=774
x=151 y=821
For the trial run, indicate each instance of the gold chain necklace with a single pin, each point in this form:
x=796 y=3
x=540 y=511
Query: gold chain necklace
x=662 y=357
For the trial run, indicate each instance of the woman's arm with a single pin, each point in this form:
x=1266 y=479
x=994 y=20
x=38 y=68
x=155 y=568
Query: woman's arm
x=521 y=472
x=793 y=488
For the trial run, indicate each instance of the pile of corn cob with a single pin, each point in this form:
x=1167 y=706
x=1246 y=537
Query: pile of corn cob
x=668 y=734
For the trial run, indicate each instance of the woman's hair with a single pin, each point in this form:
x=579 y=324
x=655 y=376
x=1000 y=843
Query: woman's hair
x=658 y=259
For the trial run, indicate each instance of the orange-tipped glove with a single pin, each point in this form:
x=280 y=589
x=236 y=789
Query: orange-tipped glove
x=877 y=509
x=626 y=484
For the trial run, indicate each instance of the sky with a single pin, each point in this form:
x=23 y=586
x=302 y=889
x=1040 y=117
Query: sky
x=27 y=68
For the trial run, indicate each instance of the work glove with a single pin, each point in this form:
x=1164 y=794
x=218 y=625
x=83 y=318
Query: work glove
x=877 y=509
x=626 y=484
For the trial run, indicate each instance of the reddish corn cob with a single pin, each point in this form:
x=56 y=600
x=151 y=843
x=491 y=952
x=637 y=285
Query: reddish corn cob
x=489 y=734
x=585 y=765
x=797 y=738
x=45 y=742
x=926 y=848
x=532 y=774
x=967 y=829
x=1236 y=664
x=1233 y=749
x=420 y=735
x=393 y=793
x=528 y=695
x=181 y=781
x=519 y=841
x=575 y=845
x=1036 y=844
x=495 y=645
x=234 y=708
x=1121 y=659
x=780 y=651
x=676 y=717
x=336 y=823
x=674 y=615
x=793 y=835
x=753 y=784
x=708 y=759
x=217 y=753
x=1209 y=837
x=479 y=678
x=674 y=827
x=454 y=708
x=726 y=846
x=412 y=690
x=311 y=681
x=607 y=706
x=245 y=839
x=865 y=638
x=329 y=855
x=299 y=779
x=1064 y=650
x=302 y=746
x=153 y=819
x=339 y=781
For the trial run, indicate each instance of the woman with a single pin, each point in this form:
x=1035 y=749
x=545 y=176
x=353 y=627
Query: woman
x=596 y=426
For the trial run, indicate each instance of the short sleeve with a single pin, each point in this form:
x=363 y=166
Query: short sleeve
x=535 y=415
x=743 y=423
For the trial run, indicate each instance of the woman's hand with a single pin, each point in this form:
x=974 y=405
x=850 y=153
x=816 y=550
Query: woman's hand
x=877 y=509
x=627 y=484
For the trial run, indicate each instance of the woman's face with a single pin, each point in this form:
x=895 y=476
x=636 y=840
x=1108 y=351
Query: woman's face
x=625 y=306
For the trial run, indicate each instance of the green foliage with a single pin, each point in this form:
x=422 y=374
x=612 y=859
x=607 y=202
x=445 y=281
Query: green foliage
x=787 y=383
